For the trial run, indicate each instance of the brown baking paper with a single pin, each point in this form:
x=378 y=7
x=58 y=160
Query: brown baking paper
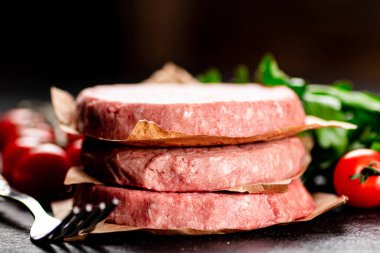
x=323 y=201
x=147 y=133
x=171 y=73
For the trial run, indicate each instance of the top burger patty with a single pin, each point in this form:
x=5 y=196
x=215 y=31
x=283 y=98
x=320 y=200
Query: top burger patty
x=112 y=111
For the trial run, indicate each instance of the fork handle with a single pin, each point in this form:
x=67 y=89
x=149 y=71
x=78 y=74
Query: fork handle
x=31 y=203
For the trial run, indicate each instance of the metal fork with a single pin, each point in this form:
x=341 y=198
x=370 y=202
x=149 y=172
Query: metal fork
x=46 y=228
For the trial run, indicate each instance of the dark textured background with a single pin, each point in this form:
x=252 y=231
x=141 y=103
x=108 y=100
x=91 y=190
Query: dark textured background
x=78 y=43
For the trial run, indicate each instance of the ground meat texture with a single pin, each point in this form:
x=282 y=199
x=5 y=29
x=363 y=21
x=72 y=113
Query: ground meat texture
x=195 y=169
x=201 y=211
x=112 y=111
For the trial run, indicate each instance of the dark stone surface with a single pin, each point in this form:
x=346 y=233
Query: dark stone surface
x=341 y=230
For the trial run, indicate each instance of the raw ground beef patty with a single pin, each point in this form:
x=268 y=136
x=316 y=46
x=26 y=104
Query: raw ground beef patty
x=112 y=111
x=201 y=211
x=194 y=169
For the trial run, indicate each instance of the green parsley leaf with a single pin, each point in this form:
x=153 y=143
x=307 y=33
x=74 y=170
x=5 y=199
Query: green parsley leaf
x=270 y=74
x=241 y=74
x=212 y=75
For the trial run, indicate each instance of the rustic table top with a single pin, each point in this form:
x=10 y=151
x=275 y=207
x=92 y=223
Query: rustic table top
x=342 y=230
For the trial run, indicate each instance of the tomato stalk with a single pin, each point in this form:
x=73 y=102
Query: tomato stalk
x=367 y=171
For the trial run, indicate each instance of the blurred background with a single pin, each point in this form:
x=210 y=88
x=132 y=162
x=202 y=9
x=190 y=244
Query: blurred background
x=77 y=44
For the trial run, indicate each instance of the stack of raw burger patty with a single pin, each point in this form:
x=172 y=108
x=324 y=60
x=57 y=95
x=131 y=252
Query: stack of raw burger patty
x=185 y=187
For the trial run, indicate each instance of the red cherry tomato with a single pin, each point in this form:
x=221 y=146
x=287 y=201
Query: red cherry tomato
x=23 y=116
x=14 y=120
x=8 y=131
x=357 y=176
x=43 y=134
x=74 y=152
x=41 y=171
x=14 y=151
x=73 y=137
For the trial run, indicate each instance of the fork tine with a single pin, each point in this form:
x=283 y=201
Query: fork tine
x=109 y=209
x=80 y=219
x=88 y=211
x=88 y=218
x=86 y=221
x=58 y=229
x=105 y=212
x=68 y=224
x=102 y=208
